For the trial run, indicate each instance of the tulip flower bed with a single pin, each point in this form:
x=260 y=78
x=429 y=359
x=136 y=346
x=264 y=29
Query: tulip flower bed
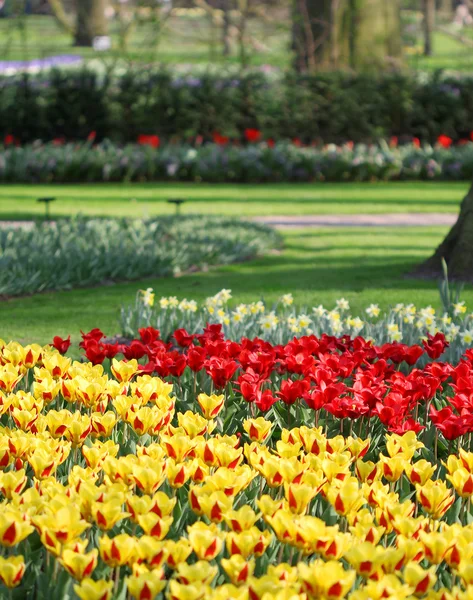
x=279 y=323
x=326 y=468
x=259 y=162
x=85 y=251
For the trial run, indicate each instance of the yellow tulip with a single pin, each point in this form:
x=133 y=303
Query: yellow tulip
x=149 y=475
x=347 y=497
x=13 y=527
x=435 y=498
x=146 y=585
x=420 y=580
x=107 y=514
x=250 y=541
x=366 y=559
x=187 y=591
x=436 y=545
x=194 y=425
x=199 y=572
x=238 y=568
x=258 y=429
x=206 y=540
x=420 y=472
x=210 y=405
x=152 y=551
x=466 y=459
x=177 y=473
x=405 y=444
x=102 y=424
x=367 y=472
x=88 y=589
x=242 y=519
x=78 y=564
x=9 y=377
x=215 y=505
x=154 y=525
x=325 y=579
x=118 y=551
x=124 y=371
x=178 y=551
x=462 y=481
x=12 y=482
x=12 y=570
x=43 y=464
x=392 y=467
x=177 y=446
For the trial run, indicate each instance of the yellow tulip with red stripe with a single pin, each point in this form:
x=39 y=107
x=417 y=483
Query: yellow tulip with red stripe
x=88 y=589
x=12 y=570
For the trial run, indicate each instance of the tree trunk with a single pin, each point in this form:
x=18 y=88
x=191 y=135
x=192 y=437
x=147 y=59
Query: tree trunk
x=345 y=33
x=226 y=45
x=456 y=248
x=91 y=21
x=429 y=22
x=446 y=8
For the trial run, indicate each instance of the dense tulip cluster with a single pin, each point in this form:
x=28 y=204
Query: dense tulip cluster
x=123 y=482
x=280 y=322
x=344 y=383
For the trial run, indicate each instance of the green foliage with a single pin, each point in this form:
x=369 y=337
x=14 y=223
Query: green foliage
x=81 y=251
x=332 y=107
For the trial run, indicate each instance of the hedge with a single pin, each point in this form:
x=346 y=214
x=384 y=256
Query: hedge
x=332 y=107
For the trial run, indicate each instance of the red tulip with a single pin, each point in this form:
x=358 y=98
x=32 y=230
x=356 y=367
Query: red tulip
x=252 y=135
x=62 y=345
x=444 y=141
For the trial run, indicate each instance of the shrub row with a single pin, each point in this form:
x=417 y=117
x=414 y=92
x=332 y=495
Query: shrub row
x=332 y=107
x=78 y=252
x=212 y=163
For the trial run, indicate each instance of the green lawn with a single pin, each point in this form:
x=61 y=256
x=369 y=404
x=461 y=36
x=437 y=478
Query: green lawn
x=142 y=200
x=317 y=266
x=191 y=40
x=448 y=54
x=182 y=39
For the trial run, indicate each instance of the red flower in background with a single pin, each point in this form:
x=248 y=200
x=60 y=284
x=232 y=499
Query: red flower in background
x=61 y=345
x=11 y=140
x=252 y=135
x=444 y=141
x=91 y=137
x=270 y=143
x=416 y=142
x=149 y=140
x=220 y=140
x=393 y=142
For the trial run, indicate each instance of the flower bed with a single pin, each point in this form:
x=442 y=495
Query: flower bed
x=185 y=486
x=84 y=251
x=280 y=322
x=262 y=162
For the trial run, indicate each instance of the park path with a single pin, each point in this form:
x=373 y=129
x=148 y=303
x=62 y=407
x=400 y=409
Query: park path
x=380 y=220
x=291 y=221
